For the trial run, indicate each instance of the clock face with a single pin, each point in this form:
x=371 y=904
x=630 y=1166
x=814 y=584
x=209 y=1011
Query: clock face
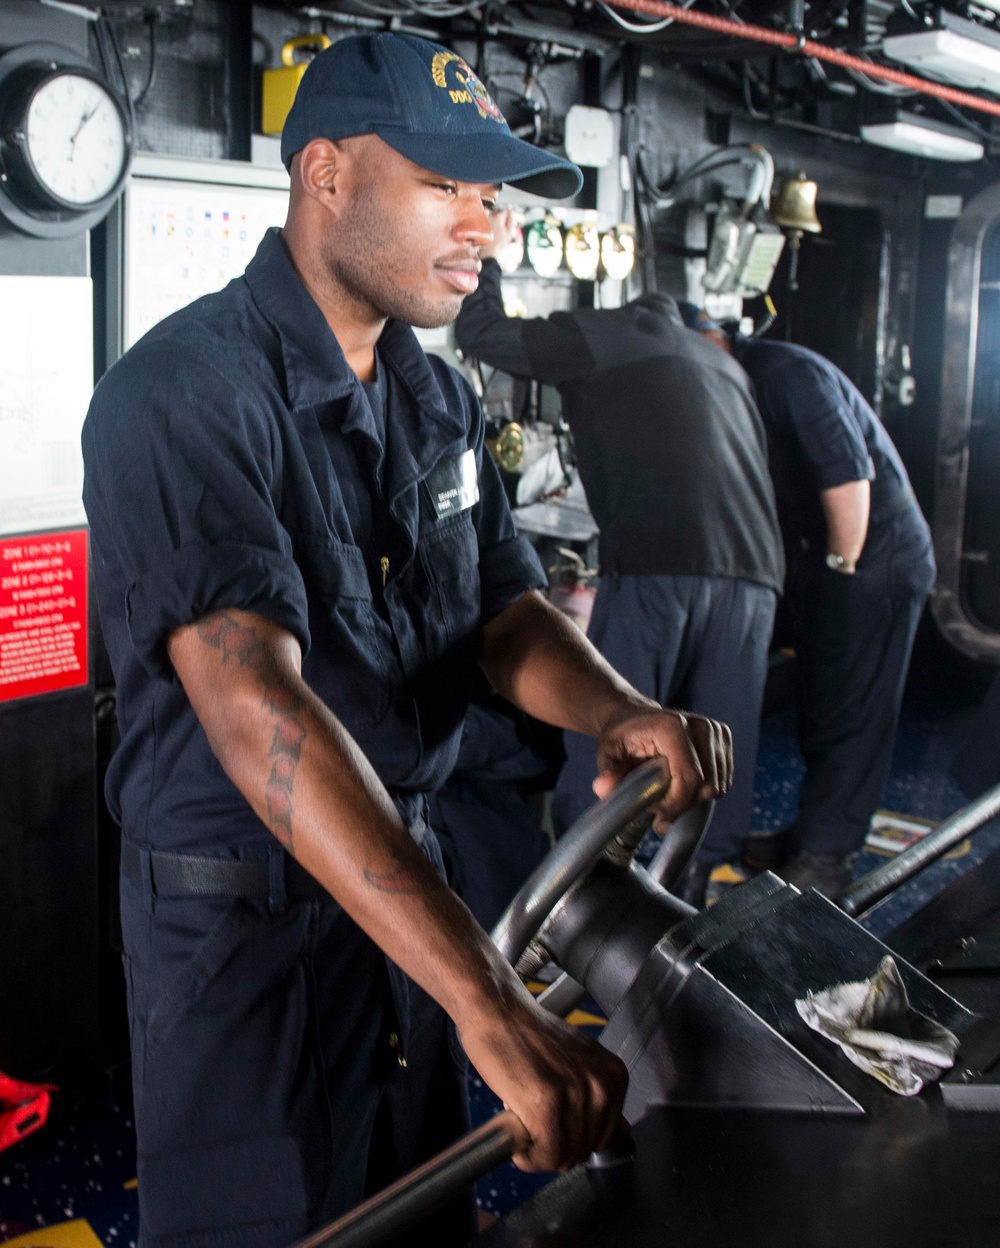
x=75 y=138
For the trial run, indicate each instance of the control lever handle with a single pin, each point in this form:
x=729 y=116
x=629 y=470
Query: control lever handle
x=418 y=1193
x=620 y=1152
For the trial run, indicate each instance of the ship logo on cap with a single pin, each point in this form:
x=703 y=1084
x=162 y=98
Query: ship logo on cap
x=465 y=87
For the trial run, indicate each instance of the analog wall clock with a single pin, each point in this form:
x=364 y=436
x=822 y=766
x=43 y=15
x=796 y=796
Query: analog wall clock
x=65 y=141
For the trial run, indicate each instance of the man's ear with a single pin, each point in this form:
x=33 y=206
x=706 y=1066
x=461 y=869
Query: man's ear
x=320 y=170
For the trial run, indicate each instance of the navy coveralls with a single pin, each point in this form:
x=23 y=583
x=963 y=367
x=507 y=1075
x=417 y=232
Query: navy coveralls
x=673 y=458
x=233 y=460
x=852 y=634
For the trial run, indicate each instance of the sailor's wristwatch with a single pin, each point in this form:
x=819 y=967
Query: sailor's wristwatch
x=837 y=563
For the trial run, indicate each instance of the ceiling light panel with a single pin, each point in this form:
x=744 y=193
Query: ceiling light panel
x=908 y=135
x=948 y=54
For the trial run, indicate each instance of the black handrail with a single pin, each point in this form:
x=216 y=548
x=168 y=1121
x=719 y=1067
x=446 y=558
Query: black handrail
x=864 y=893
x=422 y=1190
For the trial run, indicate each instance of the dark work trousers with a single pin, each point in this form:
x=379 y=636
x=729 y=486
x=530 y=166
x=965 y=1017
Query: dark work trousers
x=692 y=642
x=853 y=636
x=269 y=1097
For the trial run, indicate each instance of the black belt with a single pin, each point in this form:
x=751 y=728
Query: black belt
x=896 y=506
x=194 y=874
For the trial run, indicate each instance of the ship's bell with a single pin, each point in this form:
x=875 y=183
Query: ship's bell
x=794 y=206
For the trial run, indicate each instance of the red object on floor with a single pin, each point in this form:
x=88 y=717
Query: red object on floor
x=24 y=1107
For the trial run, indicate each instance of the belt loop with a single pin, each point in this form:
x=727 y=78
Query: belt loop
x=146 y=877
x=277 y=894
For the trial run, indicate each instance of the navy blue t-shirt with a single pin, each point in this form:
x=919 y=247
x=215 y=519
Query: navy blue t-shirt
x=233 y=460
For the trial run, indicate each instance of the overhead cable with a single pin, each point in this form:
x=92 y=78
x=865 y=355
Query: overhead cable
x=639 y=28
x=986 y=135
x=799 y=44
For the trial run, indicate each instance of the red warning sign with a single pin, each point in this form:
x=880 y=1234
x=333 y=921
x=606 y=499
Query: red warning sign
x=43 y=613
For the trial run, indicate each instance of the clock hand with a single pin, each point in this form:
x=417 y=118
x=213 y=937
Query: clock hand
x=83 y=121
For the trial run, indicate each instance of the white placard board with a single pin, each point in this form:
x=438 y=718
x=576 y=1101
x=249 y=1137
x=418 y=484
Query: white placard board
x=943 y=207
x=185 y=239
x=46 y=380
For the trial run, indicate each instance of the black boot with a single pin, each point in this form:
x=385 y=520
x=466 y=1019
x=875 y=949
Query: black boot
x=767 y=851
x=829 y=874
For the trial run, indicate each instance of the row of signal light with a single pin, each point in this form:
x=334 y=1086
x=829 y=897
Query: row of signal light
x=585 y=251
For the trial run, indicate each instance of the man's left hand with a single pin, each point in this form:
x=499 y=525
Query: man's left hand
x=698 y=753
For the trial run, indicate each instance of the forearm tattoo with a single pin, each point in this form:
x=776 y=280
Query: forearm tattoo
x=401 y=880
x=239 y=641
x=286 y=749
x=234 y=640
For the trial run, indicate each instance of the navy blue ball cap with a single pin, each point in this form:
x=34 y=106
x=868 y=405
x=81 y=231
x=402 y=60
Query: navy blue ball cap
x=426 y=103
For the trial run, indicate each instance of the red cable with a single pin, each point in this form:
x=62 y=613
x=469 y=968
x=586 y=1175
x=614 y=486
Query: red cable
x=806 y=47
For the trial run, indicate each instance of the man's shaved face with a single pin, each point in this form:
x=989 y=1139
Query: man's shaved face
x=406 y=241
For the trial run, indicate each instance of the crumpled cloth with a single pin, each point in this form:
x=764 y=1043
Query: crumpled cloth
x=875 y=1025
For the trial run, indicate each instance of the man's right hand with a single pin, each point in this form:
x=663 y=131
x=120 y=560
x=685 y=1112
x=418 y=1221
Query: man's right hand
x=566 y=1089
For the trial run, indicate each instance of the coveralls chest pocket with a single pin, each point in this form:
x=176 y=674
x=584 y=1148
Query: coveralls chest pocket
x=449 y=557
x=351 y=659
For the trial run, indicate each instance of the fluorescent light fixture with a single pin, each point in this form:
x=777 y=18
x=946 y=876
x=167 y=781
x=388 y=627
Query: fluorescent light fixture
x=957 y=50
x=920 y=136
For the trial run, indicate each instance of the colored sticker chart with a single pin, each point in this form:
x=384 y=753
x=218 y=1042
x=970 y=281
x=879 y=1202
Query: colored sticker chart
x=188 y=239
x=43 y=614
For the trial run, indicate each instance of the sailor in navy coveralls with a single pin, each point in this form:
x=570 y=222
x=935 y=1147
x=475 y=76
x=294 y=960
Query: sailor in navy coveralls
x=860 y=567
x=301 y=554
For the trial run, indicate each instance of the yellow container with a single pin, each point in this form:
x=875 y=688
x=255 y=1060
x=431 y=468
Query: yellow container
x=280 y=85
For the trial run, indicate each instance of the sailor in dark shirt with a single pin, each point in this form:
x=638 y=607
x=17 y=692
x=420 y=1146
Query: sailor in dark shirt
x=860 y=566
x=672 y=455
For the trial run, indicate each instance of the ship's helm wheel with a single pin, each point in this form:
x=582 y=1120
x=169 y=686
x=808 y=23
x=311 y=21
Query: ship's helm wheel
x=613 y=829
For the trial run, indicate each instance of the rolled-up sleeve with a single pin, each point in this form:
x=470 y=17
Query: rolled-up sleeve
x=181 y=471
x=821 y=418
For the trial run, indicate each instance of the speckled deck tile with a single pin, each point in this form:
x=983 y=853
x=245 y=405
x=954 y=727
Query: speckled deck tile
x=81 y=1165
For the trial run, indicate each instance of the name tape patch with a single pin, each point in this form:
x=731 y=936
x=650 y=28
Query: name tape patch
x=453 y=485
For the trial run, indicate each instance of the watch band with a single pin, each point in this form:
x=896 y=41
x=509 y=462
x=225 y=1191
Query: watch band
x=837 y=563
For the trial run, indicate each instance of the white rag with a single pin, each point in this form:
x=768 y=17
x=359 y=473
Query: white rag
x=878 y=1029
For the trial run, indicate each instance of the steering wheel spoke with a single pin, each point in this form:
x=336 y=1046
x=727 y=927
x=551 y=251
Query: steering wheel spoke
x=621 y=817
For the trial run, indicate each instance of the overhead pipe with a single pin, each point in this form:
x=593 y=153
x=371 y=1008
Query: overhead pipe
x=799 y=44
